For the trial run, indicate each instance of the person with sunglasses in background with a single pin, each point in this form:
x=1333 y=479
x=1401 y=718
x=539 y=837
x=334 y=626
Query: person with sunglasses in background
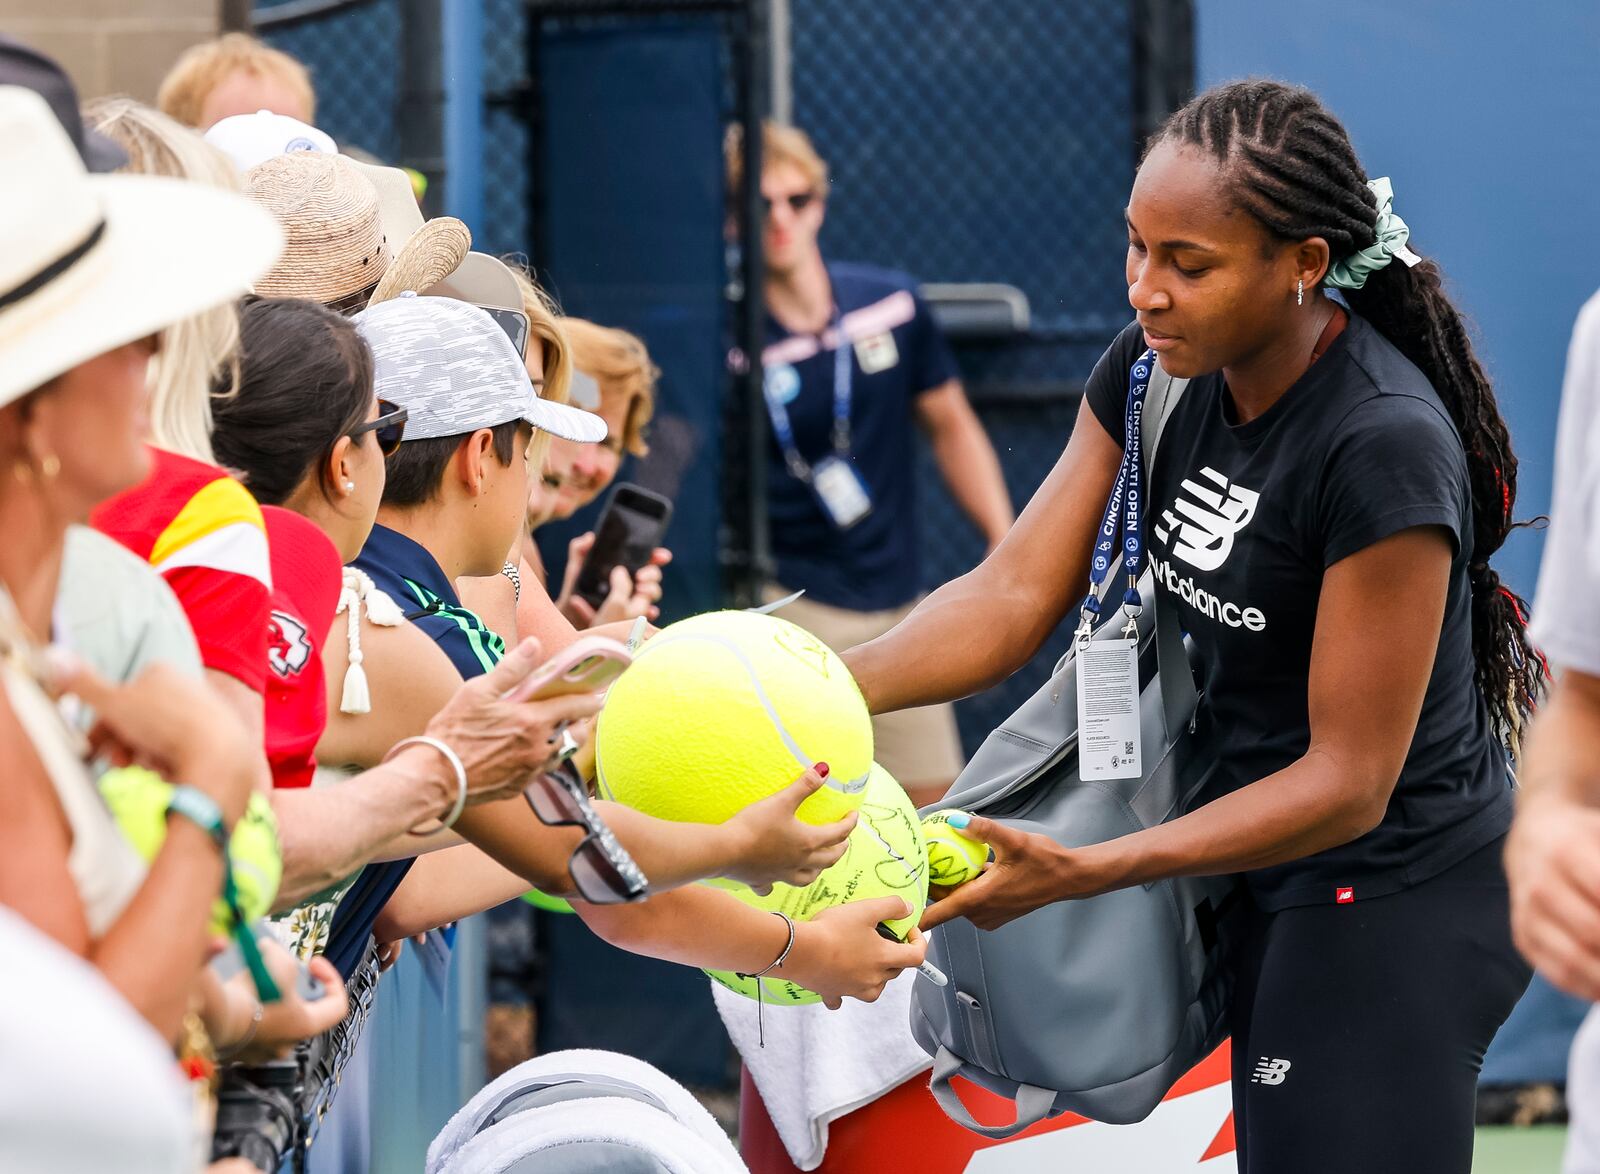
x=853 y=358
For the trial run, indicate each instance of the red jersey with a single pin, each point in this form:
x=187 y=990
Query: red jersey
x=203 y=531
x=306 y=579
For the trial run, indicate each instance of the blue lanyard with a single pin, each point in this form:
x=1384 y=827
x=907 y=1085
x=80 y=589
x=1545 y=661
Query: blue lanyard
x=843 y=377
x=1125 y=510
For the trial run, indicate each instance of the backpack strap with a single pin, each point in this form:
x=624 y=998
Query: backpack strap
x=1179 y=698
x=1033 y=1103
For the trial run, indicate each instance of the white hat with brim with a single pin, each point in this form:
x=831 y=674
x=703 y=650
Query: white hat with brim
x=91 y=263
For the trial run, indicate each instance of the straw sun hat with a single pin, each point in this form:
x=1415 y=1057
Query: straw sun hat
x=338 y=247
x=91 y=263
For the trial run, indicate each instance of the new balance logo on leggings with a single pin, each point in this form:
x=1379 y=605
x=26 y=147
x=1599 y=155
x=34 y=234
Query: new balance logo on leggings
x=1270 y=1071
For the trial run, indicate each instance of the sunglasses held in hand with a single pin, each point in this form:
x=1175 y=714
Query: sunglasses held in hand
x=602 y=871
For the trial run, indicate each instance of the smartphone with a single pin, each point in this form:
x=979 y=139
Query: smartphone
x=587 y=665
x=630 y=529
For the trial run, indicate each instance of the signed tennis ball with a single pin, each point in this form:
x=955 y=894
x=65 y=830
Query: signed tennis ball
x=138 y=801
x=721 y=710
x=953 y=858
x=884 y=857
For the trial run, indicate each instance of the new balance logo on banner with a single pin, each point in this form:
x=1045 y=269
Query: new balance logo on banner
x=1270 y=1071
x=1203 y=522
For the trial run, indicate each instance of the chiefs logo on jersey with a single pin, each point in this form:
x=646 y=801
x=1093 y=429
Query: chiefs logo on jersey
x=288 y=647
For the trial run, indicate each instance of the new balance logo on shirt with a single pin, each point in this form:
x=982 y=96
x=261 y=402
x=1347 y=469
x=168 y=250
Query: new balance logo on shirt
x=1270 y=1071
x=1199 y=529
x=1207 y=520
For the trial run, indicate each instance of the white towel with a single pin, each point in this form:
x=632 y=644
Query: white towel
x=819 y=1065
x=558 y=1133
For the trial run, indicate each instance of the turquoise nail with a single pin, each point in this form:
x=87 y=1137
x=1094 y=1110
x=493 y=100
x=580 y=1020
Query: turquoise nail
x=959 y=820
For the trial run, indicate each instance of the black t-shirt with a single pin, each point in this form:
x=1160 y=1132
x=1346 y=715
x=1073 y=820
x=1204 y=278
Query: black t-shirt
x=1245 y=518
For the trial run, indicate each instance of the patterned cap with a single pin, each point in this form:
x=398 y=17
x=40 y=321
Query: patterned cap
x=455 y=371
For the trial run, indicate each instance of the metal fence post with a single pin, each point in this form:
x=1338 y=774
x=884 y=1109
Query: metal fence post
x=462 y=75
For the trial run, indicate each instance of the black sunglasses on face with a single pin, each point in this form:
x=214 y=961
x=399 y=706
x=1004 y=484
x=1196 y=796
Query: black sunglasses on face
x=602 y=871
x=390 y=427
x=798 y=202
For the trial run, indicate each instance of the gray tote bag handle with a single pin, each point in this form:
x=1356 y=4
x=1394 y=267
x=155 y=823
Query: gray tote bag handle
x=1033 y=1103
x=1179 y=699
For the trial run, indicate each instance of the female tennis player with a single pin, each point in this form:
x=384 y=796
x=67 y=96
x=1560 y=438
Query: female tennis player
x=1326 y=498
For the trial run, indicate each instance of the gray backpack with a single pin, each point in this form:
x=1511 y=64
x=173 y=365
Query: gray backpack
x=1094 y=1006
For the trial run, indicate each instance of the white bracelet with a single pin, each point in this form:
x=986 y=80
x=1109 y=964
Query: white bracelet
x=454 y=760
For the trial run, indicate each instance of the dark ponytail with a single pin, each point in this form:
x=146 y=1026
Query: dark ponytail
x=1294 y=169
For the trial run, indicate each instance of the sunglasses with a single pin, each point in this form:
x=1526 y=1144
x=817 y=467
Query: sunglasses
x=798 y=202
x=390 y=427
x=514 y=323
x=602 y=871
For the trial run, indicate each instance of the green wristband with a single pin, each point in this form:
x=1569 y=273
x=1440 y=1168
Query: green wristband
x=202 y=810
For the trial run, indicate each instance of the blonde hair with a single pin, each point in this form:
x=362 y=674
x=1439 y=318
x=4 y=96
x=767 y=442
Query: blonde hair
x=195 y=349
x=545 y=325
x=201 y=70
x=780 y=145
x=620 y=364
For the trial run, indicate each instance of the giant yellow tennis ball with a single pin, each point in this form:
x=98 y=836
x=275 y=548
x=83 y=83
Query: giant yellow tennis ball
x=953 y=858
x=722 y=710
x=884 y=857
x=138 y=801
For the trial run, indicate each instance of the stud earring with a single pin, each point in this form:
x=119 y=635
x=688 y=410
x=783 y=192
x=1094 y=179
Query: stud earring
x=1300 y=291
x=349 y=486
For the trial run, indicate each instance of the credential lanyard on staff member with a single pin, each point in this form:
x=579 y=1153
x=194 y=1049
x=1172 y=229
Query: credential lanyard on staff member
x=843 y=377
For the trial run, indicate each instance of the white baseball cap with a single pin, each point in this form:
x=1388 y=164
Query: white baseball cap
x=454 y=371
x=249 y=139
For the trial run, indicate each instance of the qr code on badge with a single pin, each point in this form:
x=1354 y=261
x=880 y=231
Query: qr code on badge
x=1127 y=749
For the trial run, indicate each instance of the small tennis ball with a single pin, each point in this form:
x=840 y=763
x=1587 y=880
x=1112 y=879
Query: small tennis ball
x=953 y=858
x=138 y=801
x=884 y=857
x=724 y=709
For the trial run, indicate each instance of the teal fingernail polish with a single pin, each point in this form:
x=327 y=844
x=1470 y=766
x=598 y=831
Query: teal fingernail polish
x=959 y=819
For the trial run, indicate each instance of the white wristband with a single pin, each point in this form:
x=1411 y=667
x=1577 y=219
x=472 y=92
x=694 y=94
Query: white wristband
x=454 y=760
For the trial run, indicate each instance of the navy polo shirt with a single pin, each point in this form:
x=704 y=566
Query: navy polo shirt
x=409 y=575
x=898 y=354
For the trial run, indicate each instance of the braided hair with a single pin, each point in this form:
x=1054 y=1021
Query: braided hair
x=1290 y=164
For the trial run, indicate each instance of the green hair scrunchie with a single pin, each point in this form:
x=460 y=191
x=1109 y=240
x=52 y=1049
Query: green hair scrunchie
x=1352 y=272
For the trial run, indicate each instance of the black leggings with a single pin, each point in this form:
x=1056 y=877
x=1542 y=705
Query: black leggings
x=1359 y=1030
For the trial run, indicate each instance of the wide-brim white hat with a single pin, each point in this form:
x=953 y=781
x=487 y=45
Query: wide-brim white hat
x=91 y=263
